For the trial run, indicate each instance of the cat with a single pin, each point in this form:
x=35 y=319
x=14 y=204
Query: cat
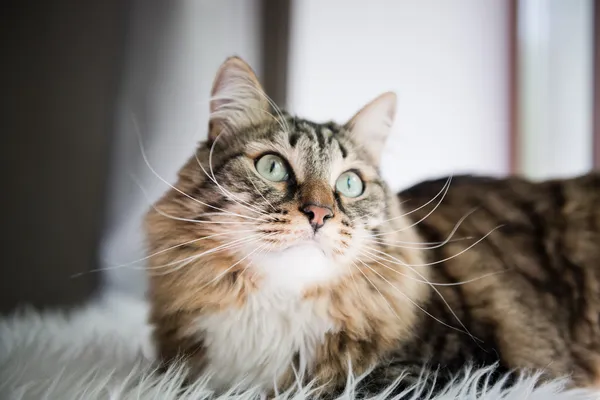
x=281 y=254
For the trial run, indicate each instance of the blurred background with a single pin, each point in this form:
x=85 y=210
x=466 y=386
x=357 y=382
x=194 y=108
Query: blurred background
x=485 y=86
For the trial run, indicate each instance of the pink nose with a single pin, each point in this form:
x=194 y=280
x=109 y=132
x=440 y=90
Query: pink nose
x=317 y=215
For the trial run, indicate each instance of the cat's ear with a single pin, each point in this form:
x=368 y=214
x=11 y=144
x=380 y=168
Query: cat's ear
x=237 y=99
x=371 y=126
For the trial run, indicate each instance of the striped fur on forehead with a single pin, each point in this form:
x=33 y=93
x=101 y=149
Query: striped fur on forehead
x=315 y=150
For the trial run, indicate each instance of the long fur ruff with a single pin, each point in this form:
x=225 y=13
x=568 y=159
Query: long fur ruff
x=102 y=351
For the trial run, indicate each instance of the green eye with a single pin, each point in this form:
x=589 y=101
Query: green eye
x=272 y=167
x=349 y=184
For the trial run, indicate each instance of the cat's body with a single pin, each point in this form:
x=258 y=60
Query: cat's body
x=532 y=291
x=280 y=253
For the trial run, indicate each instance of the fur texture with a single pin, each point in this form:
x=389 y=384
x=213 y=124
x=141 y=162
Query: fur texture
x=280 y=255
x=101 y=352
x=234 y=249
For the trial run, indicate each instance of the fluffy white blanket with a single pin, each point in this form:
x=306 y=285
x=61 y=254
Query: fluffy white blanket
x=101 y=351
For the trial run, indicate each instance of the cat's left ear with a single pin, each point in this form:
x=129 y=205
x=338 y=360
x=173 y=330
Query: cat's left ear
x=237 y=99
x=371 y=126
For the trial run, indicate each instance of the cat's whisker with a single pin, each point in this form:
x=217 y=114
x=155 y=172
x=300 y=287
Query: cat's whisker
x=445 y=259
x=218 y=248
x=432 y=287
x=422 y=219
x=196 y=221
x=223 y=273
x=147 y=162
x=418 y=306
x=250 y=263
x=358 y=291
x=371 y=214
x=179 y=245
x=210 y=214
x=444 y=189
x=448 y=238
x=418 y=245
x=130 y=265
x=371 y=257
x=184 y=263
x=377 y=289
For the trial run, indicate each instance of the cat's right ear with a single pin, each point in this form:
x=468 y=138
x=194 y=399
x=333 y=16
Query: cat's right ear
x=237 y=99
x=371 y=126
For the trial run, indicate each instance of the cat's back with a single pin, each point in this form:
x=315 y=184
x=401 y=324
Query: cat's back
x=525 y=260
x=566 y=207
x=551 y=225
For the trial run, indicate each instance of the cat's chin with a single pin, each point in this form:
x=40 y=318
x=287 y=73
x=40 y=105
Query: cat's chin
x=309 y=243
x=297 y=267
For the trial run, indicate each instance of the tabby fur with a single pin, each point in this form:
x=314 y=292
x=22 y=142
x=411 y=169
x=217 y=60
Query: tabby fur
x=449 y=272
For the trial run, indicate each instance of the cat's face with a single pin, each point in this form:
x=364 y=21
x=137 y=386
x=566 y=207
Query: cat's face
x=296 y=185
x=280 y=196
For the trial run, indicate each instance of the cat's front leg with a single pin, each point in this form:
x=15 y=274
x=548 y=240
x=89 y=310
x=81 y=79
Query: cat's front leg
x=340 y=356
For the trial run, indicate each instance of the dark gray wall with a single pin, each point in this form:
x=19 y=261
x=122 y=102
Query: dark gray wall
x=58 y=76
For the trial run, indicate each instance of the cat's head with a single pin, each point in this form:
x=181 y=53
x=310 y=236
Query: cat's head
x=274 y=198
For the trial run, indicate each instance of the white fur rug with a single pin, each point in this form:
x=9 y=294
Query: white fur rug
x=101 y=351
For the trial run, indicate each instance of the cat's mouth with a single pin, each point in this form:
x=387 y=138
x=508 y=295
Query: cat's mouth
x=313 y=240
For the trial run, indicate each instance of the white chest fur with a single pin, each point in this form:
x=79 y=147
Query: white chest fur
x=254 y=344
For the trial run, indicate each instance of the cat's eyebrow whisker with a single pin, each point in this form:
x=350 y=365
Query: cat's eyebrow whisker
x=221 y=188
x=224 y=191
x=418 y=306
x=147 y=162
x=277 y=110
x=281 y=120
x=371 y=257
x=213 y=178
